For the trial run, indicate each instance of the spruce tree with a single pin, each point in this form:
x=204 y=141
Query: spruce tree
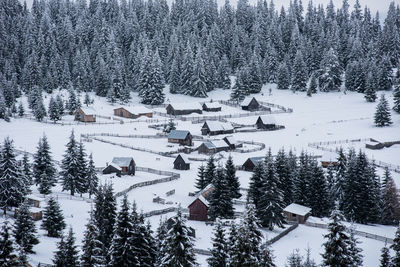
x=54 y=113
x=299 y=73
x=26 y=169
x=382 y=115
x=178 y=245
x=255 y=77
x=44 y=171
x=390 y=203
x=220 y=203
x=25 y=229
x=82 y=169
x=285 y=181
x=73 y=101
x=7 y=256
x=21 y=109
x=370 y=91
x=283 y=76
x=39 y=111
x=199 y=79
x=312 y=88
x=67 y=253
x=92 y=180
x=92 y=248
x=330 y=72
x=13 y=187
x=255 y=192
x=161 y=233
x=223 y=79
x=232 y=179
x=356 y=257
x=200 y=181
x=385 y=256
x=53 y=219
x=219 y=253
x=241 y=89
x=396 y=248
x=396 y=99
x=210 y=171
x=152 y=92
x=60 y=104
x=294 y=259
x=70 y=165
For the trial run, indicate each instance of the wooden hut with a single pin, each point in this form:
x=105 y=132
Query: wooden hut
x=198 y=209
x=231 y=142
x=250 y=163
x=212 y=106
x=133 y=112
x=266 y=122
x=250 y=104
x=216 y=127
x=180 y=137
x=181 y=162
x=215 y=146
x=121 y=166
x=36 y=213
x=34 y=201
x=183 y=109
x=296 y=213
x=85 y=114
x=329 y=159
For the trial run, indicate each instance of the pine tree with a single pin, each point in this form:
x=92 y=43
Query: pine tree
x=223 y=79
x=232 y=179
x=70 y=167
x=21 y=109
x=87 y=101
x=294 y=259
x=160 y=237
x=92 y=248
x=178 y=245
x=67 y=253
x=60 y=104
x=39 y=111
x=54 y=112
x=330 y=72
x=24 y=229
x=283 y=76
x=396 y=248
x=312 y=88
x=220 y=203
x=255 y=77
x=53 y=219
x=241 y=87
x=92 y=180
x=382 y=115
x=219 y=253
x=285 y=182
x=44 y=171
x=26 y=169
x=299 y=73
x=356 y=257
x=73 y=101
x=385 y=257
x=370 y=91
x=390 y=203
x=187 y=69
x=385 y=74
x=255 y=192
x=13 y=187
x=210 y=171
x=396 y=99
x=200 y=181
x=152 y=84
x=267 y=258
x=7 y=256
x=121 y=249
x=82 y=170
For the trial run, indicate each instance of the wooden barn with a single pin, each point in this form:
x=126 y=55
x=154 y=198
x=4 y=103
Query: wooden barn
x=198 y=209
x=181 y=162
x=212 y=106
x=215 y=146
x=216 y=127
x=266 y=123
x=296 y=213
x=85 y=114
x=231 y=142
x=250 y=104
x=329 y=159
x=133 y=112
x=250 y=163
x=180 y=137
x=183 y=109
x=121 y=166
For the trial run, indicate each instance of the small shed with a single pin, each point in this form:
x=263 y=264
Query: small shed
x=329 y=159
x=180 y=137
x=232 y=142
x=266 y=122
x=216 y=127
x=198 y=209
x=85 y=114
x=296 y=213
x=112 y=168
x=207 y=147
x=36 y=213
x=34 y=201
x=183 y=109
x=212 y=106
x=250 y=163
x=250 y=104
x=121 y=166
x=181 y=162
x=133 y=112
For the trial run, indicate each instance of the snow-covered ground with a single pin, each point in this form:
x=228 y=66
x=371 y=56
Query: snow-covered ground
x=322 y=117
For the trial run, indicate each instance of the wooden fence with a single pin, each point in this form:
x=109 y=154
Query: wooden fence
x=260 y=146
x=282 y=234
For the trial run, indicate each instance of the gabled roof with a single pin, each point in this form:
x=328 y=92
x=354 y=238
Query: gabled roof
x=329 y=156
x=88 y=110
x=297 y=209
x=115 y=166
x=247 y=101
x=214 y=126
x=212 y=105
x=184 y=158
x=231 y=140
x=268 y=119
x=204 y=194
x=186 y=106
x=178 y=134
x=122 y=161
x=220 y=144
x=137 y=109
x=209 y=144
x=255 y=160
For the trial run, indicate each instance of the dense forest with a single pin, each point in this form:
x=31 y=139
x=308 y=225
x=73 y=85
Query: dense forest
x=114 y=47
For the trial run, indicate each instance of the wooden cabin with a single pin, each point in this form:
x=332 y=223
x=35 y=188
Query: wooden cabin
x=133 y=112
x=216 y=127
x=180 y=137
x=329 y=159
x=251 y=163
x=85 y=114
x=212 y=106
x=231 y=142
x=36 y=213
x=183 y=109
x=215 y=146
x=34 y=201
x=198 y=209
x=121 y=166
x=296 y=213
x=181 y=162
x=266 y=123
x=250 y=104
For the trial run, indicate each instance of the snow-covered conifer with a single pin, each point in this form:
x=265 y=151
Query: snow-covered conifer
x=67 y=253
x=44 y=171
x=219 y=253
x=382 y=115
x=25 y=229
x=53 y=219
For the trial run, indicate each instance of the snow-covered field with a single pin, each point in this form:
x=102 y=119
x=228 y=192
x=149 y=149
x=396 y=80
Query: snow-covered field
x=322 y=117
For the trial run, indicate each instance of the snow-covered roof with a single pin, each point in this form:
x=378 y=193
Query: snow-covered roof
x=115 y=166
x=137 y=109
x=218 y=126
x=186 y=106
x=220 y=143
x=204 y=200
x=267 y=119
x=34 y=197
x=247 y=101
x=184 y=157
x=209 y=144
x=329 y=156
x=34 y=209
x=122 y=161
x=297 y=209
x=255 y=160
x=178 y=134
x=231 y=140
x=88 y=110
x=212 y=105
